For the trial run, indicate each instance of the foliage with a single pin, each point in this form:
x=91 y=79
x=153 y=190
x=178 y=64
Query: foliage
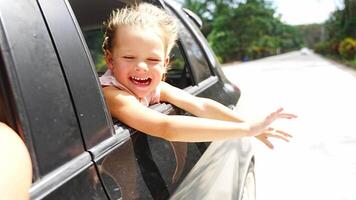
x=342 y=22
x=348 y=20
x=243 y=31
x=330 y=47
x=347 y=49
x=351 y=63
x=312 y=34
x=340 y=35
x=94 y=39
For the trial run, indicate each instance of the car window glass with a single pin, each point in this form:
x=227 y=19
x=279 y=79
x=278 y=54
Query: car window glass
x=196 y=55
x=94 y=39
x=204 y=42
x=91 y=16
x=178 y=74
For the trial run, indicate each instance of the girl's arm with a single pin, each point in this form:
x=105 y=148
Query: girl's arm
x=207 y=108
x=130 y=111
x=200 y=107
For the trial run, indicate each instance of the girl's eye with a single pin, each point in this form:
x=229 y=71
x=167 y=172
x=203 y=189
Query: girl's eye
x=155 y=60
x=128 y=57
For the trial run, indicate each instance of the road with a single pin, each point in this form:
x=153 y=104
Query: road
x=319 y=163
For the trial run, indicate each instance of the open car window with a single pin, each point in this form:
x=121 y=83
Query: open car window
x=92 y=26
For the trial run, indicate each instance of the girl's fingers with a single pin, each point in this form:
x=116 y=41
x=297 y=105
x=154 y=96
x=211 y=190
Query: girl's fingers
x=279 y=110
x=284 y=133
x=278 y=114
x=287 y=115
x=277 y=136
x=264 y=139
x=271 y=132
x=268 y=143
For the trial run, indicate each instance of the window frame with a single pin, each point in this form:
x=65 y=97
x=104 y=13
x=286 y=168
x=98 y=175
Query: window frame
x=79 y=75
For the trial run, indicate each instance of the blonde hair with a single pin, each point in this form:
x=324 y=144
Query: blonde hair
x=144 y=15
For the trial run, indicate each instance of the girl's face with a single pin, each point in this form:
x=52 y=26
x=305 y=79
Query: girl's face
x=138 y=59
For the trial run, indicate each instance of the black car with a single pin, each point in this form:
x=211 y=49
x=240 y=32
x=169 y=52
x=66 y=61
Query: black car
x=50 y=61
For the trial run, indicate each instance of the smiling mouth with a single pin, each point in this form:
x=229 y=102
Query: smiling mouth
x=140 y=81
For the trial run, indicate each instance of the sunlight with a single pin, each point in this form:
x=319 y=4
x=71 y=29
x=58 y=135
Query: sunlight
x=305 y=11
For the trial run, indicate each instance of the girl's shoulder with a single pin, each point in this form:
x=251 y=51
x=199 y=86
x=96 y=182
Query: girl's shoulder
x=169 y=92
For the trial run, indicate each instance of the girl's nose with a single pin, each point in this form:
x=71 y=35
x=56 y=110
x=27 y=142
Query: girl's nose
x=141 y=66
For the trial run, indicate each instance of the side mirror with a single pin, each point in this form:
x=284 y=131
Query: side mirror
x=194 y=17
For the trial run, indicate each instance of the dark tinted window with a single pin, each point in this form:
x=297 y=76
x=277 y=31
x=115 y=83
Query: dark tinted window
x=179 y=74
x=91 y=15
x=195 y=55
x=94 y=39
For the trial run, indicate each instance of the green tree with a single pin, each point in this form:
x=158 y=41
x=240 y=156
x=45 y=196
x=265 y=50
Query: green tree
x=209 y=10
x=340 y=40
x=251 y=31
x=348 y=19
x=312 y=34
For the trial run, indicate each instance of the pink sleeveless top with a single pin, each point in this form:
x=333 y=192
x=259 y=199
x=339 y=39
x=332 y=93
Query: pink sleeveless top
x=107 y=79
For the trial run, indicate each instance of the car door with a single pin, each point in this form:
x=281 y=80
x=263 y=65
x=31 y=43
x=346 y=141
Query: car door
x=129 y=164
x=139 y=166
x=38 y=104
x=136 y=165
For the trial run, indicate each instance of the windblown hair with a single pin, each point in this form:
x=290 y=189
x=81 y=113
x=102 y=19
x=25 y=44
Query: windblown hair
x=145 y=15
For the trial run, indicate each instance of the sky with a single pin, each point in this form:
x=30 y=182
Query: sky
x=296 y=12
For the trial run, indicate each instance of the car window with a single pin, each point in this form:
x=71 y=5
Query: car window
x=196 y=56
x=203 y=41
x=94 y=39
x=179 y=72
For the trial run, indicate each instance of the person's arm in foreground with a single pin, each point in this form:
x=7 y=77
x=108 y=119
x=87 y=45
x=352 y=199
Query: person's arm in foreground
x=16 y=168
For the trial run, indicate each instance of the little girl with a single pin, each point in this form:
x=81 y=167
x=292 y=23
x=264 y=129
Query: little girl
x=137 y=44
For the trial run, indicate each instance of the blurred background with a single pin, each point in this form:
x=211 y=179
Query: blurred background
x=246 y=30
x=300 y=55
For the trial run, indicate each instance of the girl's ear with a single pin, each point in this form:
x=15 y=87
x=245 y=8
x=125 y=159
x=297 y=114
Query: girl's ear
x=109 y=59
x=165 y=67
x=166 y=62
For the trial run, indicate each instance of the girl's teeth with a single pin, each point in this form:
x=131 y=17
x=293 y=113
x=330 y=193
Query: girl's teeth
x=139 y=79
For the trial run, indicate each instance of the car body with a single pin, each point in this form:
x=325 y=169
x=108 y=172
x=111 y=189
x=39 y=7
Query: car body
x=50 y=61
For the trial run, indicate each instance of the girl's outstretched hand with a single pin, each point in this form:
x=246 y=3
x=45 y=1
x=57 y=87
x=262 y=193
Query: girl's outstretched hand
x=262 y=130
x=273 y=133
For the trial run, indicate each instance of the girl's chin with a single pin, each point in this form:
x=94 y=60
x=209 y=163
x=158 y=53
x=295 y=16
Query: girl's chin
x=141 y=91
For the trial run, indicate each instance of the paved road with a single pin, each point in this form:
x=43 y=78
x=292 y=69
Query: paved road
x=320 y=162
